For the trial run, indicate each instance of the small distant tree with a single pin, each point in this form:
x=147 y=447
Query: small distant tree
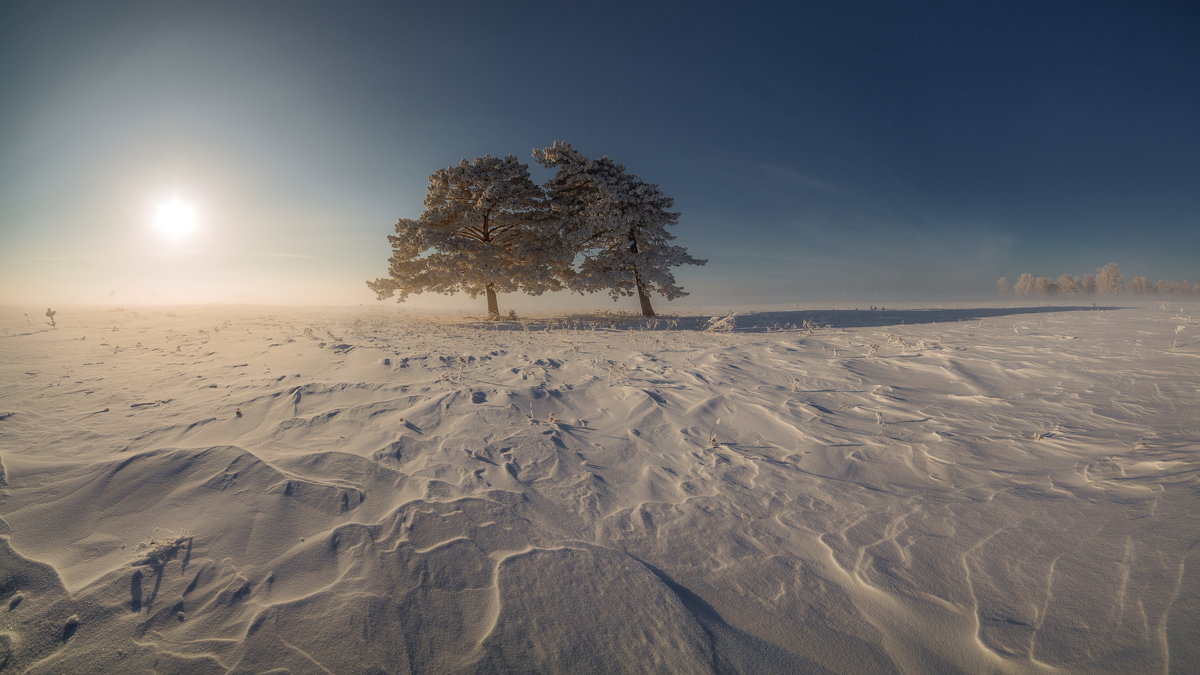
x=1109 y=279
x=1140 y=286
x=616 y=223
x=1002 y=286
x=1043 y=286
x=1087 y=285
x=1066 y=285
x=483 y=231
x=1024 y=286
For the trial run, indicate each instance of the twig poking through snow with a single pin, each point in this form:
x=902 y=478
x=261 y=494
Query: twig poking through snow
x=712 y=436
x=721 y=324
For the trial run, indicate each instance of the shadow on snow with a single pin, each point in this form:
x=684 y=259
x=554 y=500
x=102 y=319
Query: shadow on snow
x=758 y=322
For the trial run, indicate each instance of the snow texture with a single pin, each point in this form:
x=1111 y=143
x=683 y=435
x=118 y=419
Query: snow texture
x=962 y=489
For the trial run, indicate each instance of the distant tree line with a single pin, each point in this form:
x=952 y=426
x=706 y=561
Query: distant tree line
x=487 y=228
x=1108 y=280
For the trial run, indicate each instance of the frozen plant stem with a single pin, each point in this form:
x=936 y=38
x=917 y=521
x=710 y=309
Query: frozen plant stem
x=712 y=436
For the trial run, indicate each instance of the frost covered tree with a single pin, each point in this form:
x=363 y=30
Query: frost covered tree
x=616 y=224
x=483 y=231
x=1109 y=279
x=1088 y=284
x=1024 y=286
x=1066 y=285
x=1043 y=286
x=1140 y=286
x=1002 y=286
x=1180 y=287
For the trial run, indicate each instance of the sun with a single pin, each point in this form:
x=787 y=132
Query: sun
x=175 y=219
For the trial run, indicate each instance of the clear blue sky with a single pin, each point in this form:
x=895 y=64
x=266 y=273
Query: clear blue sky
x=817 y=150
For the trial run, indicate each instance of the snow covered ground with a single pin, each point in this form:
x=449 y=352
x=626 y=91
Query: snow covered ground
x=981 y=489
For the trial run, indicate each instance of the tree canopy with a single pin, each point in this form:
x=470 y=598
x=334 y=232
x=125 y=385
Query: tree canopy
x=616 y=224
x=488 y=228
x=483 y=231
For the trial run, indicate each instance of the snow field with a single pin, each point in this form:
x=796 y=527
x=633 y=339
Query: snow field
x=975 y=489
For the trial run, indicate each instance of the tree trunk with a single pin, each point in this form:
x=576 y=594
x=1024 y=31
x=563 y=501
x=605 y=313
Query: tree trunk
x=647 y=310
x=493 y=307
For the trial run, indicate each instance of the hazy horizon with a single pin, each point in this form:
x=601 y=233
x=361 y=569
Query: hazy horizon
x=862 y=152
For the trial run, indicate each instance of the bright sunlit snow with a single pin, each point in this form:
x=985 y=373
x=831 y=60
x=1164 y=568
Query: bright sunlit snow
x=958 y=489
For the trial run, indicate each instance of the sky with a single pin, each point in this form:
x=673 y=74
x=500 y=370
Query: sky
x=817 y=151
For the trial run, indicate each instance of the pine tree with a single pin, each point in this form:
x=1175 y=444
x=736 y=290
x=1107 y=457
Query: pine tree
x=617 y=224
x=483 y=231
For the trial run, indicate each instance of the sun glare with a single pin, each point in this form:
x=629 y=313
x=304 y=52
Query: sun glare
x=175 y=219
